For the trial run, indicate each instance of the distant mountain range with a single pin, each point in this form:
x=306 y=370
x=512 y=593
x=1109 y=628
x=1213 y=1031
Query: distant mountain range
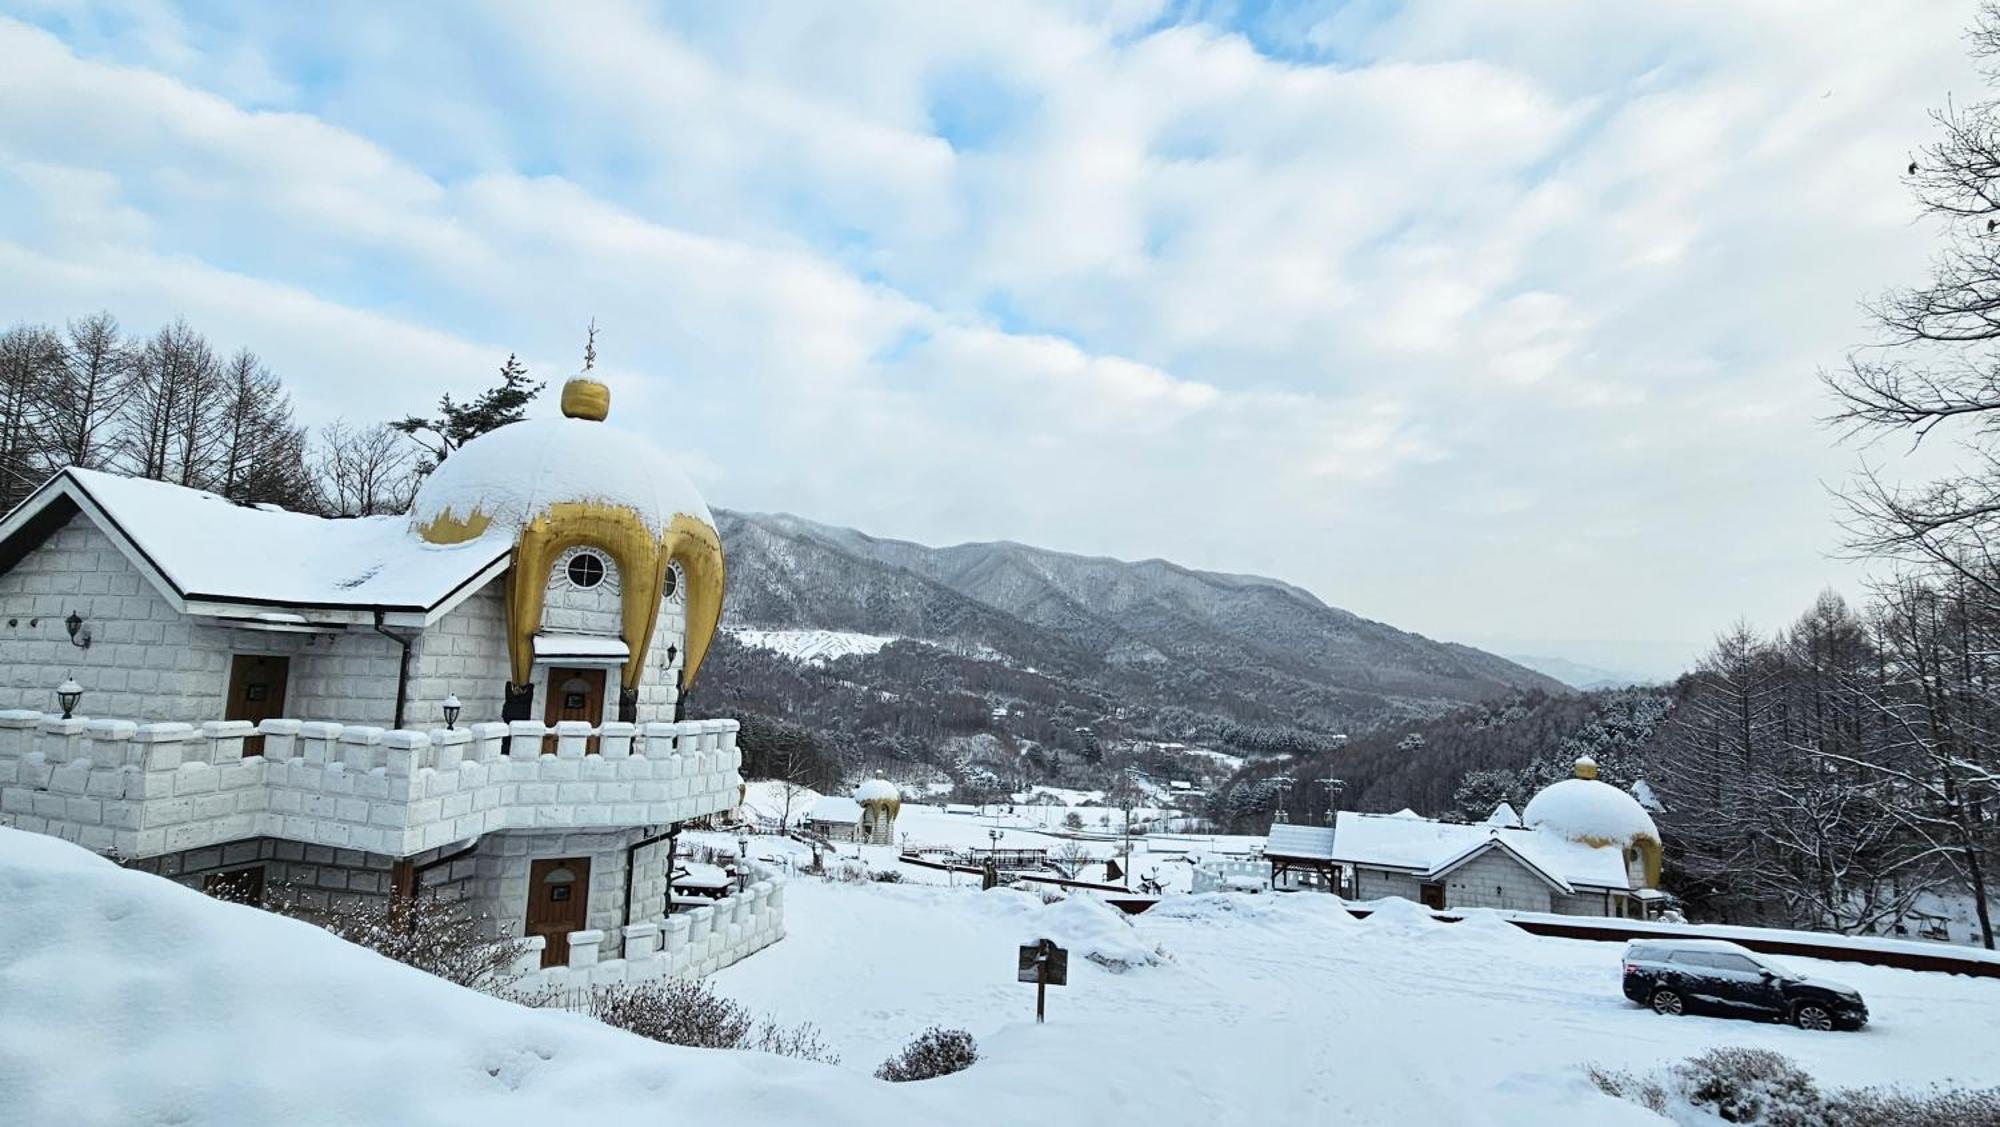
x=1576 y=674
x=831 y=620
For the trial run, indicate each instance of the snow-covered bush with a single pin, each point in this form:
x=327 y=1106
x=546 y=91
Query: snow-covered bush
x=886 y=876
x=434 y=935
x=1894 y=1107
x=934 y=1052
x=684 y=1011
x=1763 y=1088
x=1750 y=1086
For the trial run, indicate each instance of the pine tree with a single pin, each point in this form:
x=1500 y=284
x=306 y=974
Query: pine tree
x=457 y=423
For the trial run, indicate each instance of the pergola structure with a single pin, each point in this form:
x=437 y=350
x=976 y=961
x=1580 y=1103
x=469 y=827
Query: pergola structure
x=1305 y=854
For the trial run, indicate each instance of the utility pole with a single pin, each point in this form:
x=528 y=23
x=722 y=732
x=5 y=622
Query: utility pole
x=1333 y=789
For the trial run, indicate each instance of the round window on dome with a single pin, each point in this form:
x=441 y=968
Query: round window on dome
x=586 y=570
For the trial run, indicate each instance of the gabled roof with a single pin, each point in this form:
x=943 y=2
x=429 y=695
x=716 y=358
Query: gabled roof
x=835 y=808
x=1478 y=849
x=207 y=555
x=1426 y=847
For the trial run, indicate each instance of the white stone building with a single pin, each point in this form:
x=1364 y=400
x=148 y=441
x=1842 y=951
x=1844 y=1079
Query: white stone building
x=485 y=697
x=1582 y=847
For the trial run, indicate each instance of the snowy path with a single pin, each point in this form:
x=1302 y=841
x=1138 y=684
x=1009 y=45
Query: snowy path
x=1285 y=1010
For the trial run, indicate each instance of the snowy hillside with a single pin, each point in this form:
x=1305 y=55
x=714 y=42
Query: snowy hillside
x=127 y=999
x=811 y=647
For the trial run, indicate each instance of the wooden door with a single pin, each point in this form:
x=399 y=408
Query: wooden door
x=558 y=903
x=1432 y=894
x=574 y=694
x=257 y=692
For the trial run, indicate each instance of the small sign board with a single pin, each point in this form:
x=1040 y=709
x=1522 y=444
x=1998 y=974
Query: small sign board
x=1031 y=966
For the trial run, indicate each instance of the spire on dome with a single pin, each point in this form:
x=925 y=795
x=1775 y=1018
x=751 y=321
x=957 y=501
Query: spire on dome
x=584 y=397
x=1586 y=767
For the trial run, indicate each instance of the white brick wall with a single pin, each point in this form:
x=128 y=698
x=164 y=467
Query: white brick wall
x=147 y=791
x=1496 y=880
x=698 y=942
x=463 y=653
x=148 y=660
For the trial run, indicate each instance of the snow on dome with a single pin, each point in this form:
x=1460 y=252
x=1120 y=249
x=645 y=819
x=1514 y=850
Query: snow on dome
x=512 y=475
x=877 y=789
x=1591 y=812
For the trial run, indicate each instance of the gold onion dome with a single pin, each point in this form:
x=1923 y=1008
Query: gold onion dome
x=554 y=484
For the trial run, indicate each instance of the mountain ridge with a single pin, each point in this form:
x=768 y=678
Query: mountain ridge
x=1069 y=643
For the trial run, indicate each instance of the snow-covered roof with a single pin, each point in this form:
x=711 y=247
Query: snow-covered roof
x=513 y=474
x=1504 y=815
x=209 y=555
x=1289 y=839
x=877 y=789
x=1589 y=810
x=594 y=646
x=835 y=808
x=1420 y=845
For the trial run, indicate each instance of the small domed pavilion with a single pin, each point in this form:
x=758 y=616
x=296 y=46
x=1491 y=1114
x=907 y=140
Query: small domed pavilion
x=880 y=802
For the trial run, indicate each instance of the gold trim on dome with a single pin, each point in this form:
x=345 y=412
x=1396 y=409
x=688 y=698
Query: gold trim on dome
x=642 y=559
x=585 y=398
x=446 y=528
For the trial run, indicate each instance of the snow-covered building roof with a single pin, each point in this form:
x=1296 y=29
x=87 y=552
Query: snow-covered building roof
x=1504 y=815
x=208 y=555
x=877 y=789
x=514 y=474
x=1585 y=809
x=1431 y=848
x=835 y=808
x=1290 y=839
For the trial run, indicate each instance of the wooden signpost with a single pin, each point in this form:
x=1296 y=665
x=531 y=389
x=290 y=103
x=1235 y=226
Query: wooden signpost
x=1045 y=965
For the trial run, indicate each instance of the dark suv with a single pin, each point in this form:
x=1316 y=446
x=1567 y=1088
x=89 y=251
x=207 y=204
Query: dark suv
x=1708 y=975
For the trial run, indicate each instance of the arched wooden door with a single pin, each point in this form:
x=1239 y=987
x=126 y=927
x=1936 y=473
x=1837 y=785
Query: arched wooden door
x=558 y=903
x=574 y=694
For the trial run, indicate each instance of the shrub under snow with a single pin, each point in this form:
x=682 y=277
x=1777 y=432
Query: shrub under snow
x=935 y=1052
x=1767 y=1089
x=684 y=1011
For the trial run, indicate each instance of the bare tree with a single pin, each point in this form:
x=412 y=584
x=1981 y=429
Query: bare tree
x=29 y=358
x=363 y=471
x=88 y=392
x=260 y=451
x=171 y=375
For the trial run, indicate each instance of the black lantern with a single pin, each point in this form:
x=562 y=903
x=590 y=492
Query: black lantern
x=451 y=710
x=78 y=636
x=68 y=694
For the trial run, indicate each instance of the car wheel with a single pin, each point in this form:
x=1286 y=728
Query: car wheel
x=1811 y=1015
x=1668 y=1002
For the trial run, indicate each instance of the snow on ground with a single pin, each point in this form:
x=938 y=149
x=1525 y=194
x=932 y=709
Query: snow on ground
x=811 y=647
x=125 y=998
x=1284 y=1009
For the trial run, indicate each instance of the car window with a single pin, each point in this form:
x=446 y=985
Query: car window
x=1738 y=963
x=1646 y=954
x=1691 y=959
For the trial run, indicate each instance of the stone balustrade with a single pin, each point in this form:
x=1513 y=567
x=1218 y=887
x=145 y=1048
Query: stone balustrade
x=1231 y=874
x=693 y=943
x=142 y=790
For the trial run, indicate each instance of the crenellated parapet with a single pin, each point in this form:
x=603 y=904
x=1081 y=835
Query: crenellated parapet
x=692 y=943
x=143 y=790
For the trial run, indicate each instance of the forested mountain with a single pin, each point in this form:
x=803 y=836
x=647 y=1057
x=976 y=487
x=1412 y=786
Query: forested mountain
x=1063 y=652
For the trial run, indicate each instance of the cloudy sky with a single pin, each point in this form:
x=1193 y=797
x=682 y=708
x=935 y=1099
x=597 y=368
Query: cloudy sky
x=1499 y=322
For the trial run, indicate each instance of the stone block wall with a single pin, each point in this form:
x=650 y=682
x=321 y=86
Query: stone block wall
x=144 y=791
x=694 y=943
x=464 y=653
x=1496 y=880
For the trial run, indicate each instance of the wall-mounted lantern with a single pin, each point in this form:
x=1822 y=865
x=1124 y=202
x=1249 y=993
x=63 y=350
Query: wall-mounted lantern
x=79 y=634
x=451 y=710
x=68 y=695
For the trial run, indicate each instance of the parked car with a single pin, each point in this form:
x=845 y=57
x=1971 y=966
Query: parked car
x=1676 y=976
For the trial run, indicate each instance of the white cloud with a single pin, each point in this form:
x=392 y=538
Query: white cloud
x=1482 y=323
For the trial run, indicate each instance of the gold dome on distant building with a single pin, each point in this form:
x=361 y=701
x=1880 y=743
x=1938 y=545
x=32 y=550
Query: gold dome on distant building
x=1589 y=811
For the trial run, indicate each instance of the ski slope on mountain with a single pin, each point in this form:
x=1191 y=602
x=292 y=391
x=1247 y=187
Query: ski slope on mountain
x=127 y=999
